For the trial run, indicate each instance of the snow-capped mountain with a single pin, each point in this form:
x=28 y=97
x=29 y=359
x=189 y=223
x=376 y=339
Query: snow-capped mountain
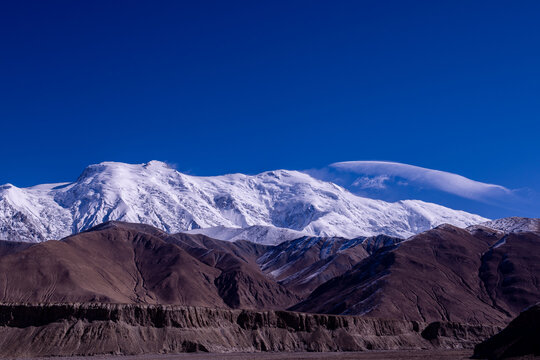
x=155 y=194
x=510 y=225
x=269 y=235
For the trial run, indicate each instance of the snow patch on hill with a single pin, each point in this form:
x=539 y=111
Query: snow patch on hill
x=267 y=235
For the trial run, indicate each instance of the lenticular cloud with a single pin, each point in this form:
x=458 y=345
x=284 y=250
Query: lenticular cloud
x=436 y=179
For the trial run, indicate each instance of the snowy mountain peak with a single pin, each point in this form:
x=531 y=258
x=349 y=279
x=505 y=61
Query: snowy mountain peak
x=157 y=163
x=268 y=235
x=271 y=206
x=511 y=225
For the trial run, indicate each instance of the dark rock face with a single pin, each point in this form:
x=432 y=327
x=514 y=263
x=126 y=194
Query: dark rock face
x=510 y=272
x=305 y=263
x=520 y=338
x=443 y=334
x=92 y=329
x=374 y=243
x=446 y=274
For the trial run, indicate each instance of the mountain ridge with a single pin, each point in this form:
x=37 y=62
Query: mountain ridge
x=155 y=194
x=444 y=274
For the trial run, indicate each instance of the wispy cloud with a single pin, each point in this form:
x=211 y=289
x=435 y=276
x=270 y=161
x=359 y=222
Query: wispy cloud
x=367 y=182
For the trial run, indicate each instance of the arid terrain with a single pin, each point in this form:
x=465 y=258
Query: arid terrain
x=369 y=355
x=132 y=289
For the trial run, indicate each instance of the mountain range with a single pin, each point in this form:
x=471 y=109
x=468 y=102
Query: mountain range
x=269 y=208
x=282 y=260
x=478 y=276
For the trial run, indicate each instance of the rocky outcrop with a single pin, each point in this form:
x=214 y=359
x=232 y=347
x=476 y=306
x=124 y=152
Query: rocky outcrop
x=520 y=338
x=89 y=329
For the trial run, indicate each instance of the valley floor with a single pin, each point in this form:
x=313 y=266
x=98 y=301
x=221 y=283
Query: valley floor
x=367 y=355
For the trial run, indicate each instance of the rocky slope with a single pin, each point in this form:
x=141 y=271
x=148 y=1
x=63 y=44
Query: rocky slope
x=135 y=263
x=444 y=288
x=447 y=273
x=519 y=338
x=305 y=263
x=129 y=263
x=479 y=276
x=157 y=195
x=92 y=329
x=510 y=272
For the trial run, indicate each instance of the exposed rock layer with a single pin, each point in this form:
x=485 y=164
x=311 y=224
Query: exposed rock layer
x=91 y=329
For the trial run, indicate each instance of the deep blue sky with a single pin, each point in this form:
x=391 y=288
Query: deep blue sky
x=227 y=86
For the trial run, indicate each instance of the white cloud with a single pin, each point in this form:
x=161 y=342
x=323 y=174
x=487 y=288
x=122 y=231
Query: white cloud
x=427 y=178
x=367 y=182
